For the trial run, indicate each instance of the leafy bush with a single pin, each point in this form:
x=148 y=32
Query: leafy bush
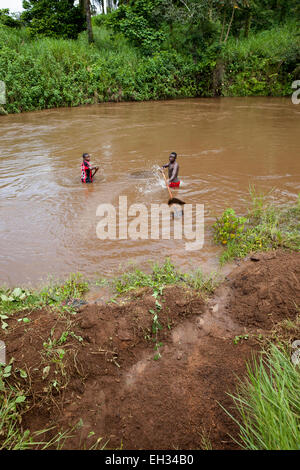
x=228 y=227
x=139 y=24
x=266 y=227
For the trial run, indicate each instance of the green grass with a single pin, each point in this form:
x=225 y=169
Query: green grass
x=268 y=403
x=165 y=275
x=160 y=276
x=55 y=294
x=13 y=404
x=275 y=43
x=205 y=283
x=264 y=64
x=267 y=226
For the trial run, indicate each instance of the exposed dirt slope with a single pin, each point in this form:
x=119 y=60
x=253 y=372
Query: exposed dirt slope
x=113 y=384
x=265 y=290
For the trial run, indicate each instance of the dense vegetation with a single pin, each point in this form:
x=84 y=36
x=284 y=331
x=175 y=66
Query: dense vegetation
x=267 y=226
x=147 y=50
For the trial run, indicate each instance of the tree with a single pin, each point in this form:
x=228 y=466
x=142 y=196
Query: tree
x=54 y=18
x=9 y=20
x=228 y=7
x=86 y=8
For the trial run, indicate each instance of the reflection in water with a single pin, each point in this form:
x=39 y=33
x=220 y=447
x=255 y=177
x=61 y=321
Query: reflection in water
x=48 y=218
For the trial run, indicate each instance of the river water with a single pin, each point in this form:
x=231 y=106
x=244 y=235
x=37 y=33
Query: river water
x=48 y=218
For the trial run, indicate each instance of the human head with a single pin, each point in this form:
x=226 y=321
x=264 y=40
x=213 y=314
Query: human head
x=86 y=156
x=173 y=156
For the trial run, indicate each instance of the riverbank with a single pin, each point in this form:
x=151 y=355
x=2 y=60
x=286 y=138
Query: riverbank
x=151 y=368
x=49 y=73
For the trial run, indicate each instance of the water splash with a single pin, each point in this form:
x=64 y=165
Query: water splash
x=156 y=182
x=158 y=176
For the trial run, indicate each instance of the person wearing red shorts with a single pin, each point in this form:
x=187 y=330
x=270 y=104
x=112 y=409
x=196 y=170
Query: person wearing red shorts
x=173 y=169
x=87 y=170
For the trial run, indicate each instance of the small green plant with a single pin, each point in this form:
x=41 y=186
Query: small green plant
x=15 y=300
x=207 y=284
x=15 y=295
x=12 y=404
x=24 y=320
x=18 y=299
x=238 y=339
x=4 y=325
x=73 y=288
x=228 y=227
x=66 y=334
x=205 y=442
x=102 y=282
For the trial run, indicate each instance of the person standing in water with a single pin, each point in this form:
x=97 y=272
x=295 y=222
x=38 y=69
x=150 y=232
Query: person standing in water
x=173 y=169
x=87 y=170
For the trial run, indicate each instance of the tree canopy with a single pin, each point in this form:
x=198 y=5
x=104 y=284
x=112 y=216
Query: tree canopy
x=9 y=20
x=55 y=18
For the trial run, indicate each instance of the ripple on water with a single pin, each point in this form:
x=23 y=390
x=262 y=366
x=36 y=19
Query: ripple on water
x=48 y=218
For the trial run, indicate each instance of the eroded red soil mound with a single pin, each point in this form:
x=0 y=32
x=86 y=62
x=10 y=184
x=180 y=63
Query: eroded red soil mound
x=265 y=290
x=108 y=377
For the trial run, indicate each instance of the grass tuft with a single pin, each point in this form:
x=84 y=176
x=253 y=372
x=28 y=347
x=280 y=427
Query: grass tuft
x=268 y=403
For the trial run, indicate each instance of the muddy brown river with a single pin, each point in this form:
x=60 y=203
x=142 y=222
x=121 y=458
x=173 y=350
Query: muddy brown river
x=48 y=218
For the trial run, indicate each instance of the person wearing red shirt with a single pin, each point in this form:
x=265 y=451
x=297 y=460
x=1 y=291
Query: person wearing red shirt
x=87 y=170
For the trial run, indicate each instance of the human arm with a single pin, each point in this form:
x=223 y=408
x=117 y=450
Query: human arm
x=164 y=166
x=94 y=170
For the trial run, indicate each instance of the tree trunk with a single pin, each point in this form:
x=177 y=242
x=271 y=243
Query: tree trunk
x=229 y=26
x=210 y=11
x=223 y=26
x=218 y=75
x=105 y=6
x=87 y=8
x=81 y=3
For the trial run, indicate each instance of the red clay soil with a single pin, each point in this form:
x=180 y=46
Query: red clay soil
x=112 y=383
x=265 y=290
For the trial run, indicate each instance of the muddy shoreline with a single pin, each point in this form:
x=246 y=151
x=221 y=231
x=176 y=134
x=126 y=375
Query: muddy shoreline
x=108 y=383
